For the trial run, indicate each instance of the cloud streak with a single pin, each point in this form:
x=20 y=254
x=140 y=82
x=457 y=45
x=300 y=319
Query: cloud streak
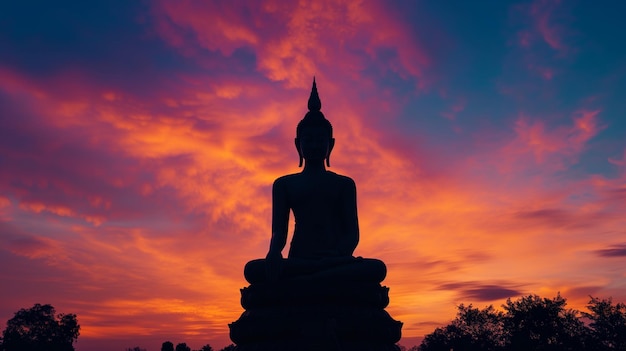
x=613 y=251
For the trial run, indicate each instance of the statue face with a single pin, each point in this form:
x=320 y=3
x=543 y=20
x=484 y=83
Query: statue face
x=314 y=143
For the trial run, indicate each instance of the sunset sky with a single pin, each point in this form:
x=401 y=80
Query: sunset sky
x=139 y=142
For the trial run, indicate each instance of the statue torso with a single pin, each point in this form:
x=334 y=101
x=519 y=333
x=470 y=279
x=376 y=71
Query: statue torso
x=321 y=206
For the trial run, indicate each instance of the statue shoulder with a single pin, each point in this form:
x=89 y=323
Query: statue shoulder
x=344 y=180
x=286 y=179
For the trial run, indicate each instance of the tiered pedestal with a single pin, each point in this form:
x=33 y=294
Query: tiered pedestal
x=307 y=316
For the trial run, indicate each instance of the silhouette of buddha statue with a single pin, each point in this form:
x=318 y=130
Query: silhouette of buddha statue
x=324 y=207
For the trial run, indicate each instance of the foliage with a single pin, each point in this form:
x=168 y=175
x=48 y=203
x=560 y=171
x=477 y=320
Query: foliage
x=608 y=324
x=230 y=347
x=533 y=323
x=472 y=329
x=136 y=348
x=40 y=329
x=167 y=346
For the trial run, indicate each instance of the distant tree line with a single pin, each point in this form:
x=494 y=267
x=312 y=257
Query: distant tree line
x=533 y=323
x=169 y=346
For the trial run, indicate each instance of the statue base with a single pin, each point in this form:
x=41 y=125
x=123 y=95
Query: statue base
x=300 y=315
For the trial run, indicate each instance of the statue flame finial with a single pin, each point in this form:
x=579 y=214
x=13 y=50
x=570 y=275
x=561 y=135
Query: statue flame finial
x=315 y=104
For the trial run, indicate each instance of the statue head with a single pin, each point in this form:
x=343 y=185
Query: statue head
x=314 y=128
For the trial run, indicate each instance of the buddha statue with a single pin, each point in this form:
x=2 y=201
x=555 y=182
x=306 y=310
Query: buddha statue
x=324 y=207
x=320 y=297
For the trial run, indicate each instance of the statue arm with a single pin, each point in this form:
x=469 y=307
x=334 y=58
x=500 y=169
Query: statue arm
x=351 y=229
x=280 y=219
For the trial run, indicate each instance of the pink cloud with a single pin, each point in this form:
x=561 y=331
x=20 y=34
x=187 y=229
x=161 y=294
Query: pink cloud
x=619 y=162
x=33 y=247
x=456 y=107
x=543 y=24
x=546 y=25
x=542 y=11
x=5 y=209
x=557 y=147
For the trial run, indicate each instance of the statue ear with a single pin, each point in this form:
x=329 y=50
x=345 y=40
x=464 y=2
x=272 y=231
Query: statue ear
x=297 y=142
x=331 y=144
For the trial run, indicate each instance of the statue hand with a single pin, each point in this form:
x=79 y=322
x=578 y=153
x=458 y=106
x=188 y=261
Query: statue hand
x=274 y=266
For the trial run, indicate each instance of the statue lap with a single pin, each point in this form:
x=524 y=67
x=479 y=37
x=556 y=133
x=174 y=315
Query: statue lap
x=355 y=269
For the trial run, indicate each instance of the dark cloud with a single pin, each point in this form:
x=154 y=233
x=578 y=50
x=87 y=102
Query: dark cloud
x=490 y=293
x=476 y=256
x=481 y=292
x=547 y=214
x=618 y=250
x=31 y=247
x=559 y=218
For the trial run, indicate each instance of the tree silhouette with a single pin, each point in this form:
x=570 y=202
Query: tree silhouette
x=608 y=324
x=136 y=348
x=40 y=329
x=533 y=323
x=206 y=347
x=167 y=346
x=472 y=329
x=183 y=347
x=230 y=347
